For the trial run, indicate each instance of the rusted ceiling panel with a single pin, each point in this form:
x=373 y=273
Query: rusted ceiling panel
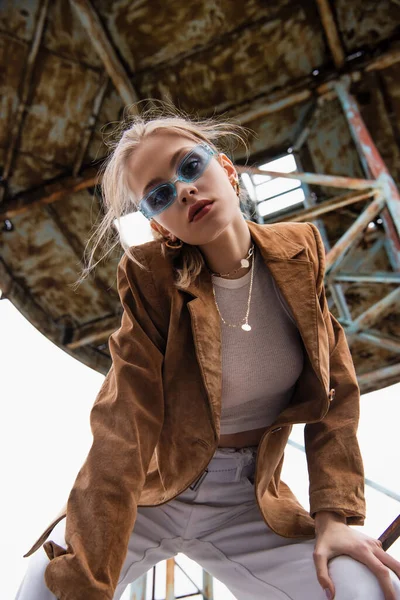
x=13 y=54
x=18 y=17
x=30 y=171
x=331 y=147
x=226 y=75
x=109 y=115
x=39 y=256
x=366 y=23
x=65 y=36
x=281 y=127
x=58 y=112
x=77 y=214
x=152 y=33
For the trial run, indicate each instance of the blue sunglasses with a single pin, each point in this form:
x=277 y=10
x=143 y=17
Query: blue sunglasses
x=191 y=167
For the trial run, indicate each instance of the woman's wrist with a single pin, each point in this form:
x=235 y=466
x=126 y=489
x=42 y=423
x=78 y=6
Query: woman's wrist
x=326 y=517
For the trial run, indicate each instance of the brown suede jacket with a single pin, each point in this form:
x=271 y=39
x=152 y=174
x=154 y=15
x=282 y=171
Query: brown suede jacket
x=156 y=419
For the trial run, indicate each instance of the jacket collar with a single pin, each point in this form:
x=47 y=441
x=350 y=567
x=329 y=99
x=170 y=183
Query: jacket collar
x=288 y=263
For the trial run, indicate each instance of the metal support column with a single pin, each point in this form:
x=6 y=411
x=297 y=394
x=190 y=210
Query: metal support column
x=370 y=156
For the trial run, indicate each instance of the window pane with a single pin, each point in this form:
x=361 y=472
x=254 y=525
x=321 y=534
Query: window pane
x=261 y=179
x=285 y=164
x=274 y=187
x=248 y=183
x=281 y=202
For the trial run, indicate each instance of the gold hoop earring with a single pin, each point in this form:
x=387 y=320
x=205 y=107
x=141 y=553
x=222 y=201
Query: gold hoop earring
x=173 y=246
x=237 y=188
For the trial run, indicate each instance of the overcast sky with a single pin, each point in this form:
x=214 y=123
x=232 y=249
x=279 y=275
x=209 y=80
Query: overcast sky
x=45 y=436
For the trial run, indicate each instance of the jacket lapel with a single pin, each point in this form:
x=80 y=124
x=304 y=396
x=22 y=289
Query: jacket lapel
x=293 y=273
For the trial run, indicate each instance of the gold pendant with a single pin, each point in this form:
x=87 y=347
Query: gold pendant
x=246 y=327
x=244 y=263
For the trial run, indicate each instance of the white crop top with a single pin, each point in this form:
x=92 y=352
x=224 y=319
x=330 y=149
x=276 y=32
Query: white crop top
x=259 y=367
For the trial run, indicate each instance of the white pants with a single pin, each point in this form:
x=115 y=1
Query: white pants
x=218 y=524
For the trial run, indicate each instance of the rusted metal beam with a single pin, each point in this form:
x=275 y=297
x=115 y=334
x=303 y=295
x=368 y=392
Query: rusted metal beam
x=94 y=334
x=170 y=583
x=208 y=591
x=384 y=61
x=331 y=32
x=331 y=205
x=391 y=534
x=350 y=183
x=370 y=154
x=272 y=106
x=285 y=99
x=306 y=128
x=26 y=85
x=379 y=378
x=336 y=255
x=369 y=316
x=99 y=38
x=387 y=342
x=375 y=277
x=48 y=193
x=87 y=134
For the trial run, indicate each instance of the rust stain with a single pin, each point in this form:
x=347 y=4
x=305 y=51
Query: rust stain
x=365 y=23
x=65 y=36
x=73 y=96
x=19 y=17
x=227 y=75
x=13 y=54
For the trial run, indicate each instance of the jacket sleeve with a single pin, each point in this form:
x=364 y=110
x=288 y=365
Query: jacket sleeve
x=126 y=420
x=334 y=460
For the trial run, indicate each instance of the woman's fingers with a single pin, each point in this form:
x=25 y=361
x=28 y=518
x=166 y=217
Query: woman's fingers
x=388 y=560
x=321 y=565
x=381 y=572
x=374 y=557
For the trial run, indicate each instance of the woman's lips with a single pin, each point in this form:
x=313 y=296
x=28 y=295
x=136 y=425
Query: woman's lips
x=201 y=213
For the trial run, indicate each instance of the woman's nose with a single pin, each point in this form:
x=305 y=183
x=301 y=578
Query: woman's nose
x=184 y=190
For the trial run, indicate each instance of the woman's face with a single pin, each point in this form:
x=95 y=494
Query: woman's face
x=151 y=160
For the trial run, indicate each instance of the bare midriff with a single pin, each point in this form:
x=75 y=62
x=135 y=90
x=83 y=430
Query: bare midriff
x=242 y=439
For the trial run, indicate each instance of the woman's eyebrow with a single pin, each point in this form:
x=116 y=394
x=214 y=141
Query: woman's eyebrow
x=172 y=163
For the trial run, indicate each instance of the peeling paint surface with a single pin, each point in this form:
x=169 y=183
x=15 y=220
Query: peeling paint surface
x=218 y=57
x=365 y=23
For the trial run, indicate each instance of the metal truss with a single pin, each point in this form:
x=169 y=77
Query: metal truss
x=138 y=589
x=380 y=190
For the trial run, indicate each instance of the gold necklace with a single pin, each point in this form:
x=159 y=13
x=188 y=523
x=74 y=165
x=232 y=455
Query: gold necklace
x=244 y=263
x=245 y=326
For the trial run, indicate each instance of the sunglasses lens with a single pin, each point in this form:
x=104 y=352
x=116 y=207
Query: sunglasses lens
x=194 y=164
x=159 y=198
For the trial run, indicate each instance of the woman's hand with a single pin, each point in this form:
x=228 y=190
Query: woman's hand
x=335 y=538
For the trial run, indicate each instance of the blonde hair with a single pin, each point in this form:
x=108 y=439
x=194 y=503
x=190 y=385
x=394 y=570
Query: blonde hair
x=117 y=197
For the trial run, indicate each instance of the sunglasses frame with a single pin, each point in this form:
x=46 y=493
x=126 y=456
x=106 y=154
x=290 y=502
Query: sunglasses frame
x=171 y=183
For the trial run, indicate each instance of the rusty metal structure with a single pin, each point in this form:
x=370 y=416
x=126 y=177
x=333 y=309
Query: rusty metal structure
x=138 y=589
x=319 y=78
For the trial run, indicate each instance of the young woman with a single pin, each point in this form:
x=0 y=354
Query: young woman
x=226 y=341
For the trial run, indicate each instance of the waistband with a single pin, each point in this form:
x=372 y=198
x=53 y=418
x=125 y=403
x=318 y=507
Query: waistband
x=229 y=465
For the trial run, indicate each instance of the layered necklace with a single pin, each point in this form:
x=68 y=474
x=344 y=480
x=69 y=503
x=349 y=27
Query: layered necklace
x=244 y=263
